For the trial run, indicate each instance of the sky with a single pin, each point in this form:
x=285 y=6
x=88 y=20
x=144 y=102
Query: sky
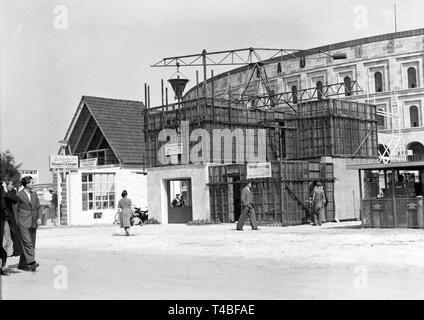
x=52 y=52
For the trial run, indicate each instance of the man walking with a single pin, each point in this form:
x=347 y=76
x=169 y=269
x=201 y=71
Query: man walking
x=29 y=216
x=247 y=208
x=318 y=202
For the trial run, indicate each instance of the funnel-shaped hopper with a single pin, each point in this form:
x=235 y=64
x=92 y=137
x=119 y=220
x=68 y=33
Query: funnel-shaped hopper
x=178 y=85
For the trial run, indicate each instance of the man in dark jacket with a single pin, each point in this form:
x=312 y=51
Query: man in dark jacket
x=29 y=217
x=7 y=218
x=247 y=208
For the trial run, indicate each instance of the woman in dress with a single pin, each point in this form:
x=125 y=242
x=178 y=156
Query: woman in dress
x=126 y=212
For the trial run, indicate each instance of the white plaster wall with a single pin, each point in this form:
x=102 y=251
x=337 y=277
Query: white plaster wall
x=156 y=193
x=135 y=184
x=346 y=191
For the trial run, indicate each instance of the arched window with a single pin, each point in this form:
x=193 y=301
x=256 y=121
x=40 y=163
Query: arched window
x=319 y=90
x=413 y=116
x=348 y=85
x=417 y=151
x=294 y=94
x=412 y=77
x=378 y=81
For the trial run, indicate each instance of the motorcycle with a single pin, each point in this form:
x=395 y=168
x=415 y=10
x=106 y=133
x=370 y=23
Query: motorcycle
x=137 y=218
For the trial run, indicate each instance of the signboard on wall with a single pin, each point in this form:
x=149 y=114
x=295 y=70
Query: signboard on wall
x=88 y=163
x=63 y=162
x=259 y=170
x=173 y=149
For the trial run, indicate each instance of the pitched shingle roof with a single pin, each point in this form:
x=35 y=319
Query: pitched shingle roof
x=121 y=124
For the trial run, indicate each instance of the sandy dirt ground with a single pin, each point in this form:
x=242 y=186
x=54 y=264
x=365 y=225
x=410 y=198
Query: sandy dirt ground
x=167 y=262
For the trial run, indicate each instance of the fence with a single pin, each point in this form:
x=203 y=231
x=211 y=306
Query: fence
x=281 y=200
x=389 y=213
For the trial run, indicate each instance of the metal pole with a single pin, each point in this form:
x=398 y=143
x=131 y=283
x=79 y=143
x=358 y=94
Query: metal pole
x=395 y=18
x=205 y=90
x=198 y=97
x=161 y=87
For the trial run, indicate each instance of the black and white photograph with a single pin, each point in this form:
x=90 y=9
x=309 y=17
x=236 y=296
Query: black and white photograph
x=212 y=154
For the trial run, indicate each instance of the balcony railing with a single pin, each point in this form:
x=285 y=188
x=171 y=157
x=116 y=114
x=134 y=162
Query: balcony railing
x=104 y=156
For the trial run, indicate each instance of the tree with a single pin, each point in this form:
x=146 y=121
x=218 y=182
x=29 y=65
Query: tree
x=8 y=168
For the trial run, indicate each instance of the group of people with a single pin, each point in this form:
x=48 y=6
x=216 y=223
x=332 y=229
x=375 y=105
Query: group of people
x=318 y=201
x=20 y=216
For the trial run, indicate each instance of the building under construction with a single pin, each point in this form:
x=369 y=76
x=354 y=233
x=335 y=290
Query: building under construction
x=282 y=118
x=308 y=142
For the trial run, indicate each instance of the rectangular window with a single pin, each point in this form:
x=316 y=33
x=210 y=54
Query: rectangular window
x=98 y=191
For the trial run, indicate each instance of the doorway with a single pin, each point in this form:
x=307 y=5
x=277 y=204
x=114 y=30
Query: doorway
x=179 y=199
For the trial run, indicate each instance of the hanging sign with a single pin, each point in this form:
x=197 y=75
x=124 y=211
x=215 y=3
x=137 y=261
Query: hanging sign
x=173 y=149
x=258 y=170
x=63 y=162
x=87 y=163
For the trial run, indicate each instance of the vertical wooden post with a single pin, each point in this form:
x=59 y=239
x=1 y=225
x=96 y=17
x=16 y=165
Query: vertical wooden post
x=213 y=102
x=361 y=207
x=394 y=198
x=385 y=180
x=161 y=89
x=198 y=97
x=205 y=90
x=148 y=96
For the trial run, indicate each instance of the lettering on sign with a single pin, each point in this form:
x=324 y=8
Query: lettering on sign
x=63 y=162
x=173 y=149
x=411 y=205
x=258 y=170
x=377 y=206
x=86 y=163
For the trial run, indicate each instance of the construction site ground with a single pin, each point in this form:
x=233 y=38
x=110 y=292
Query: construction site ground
x=176 y=261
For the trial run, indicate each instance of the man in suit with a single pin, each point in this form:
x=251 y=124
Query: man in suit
x=247 y=208
x=29 y=217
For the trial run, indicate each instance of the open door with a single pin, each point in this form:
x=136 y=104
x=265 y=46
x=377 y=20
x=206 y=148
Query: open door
x=179 y=195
